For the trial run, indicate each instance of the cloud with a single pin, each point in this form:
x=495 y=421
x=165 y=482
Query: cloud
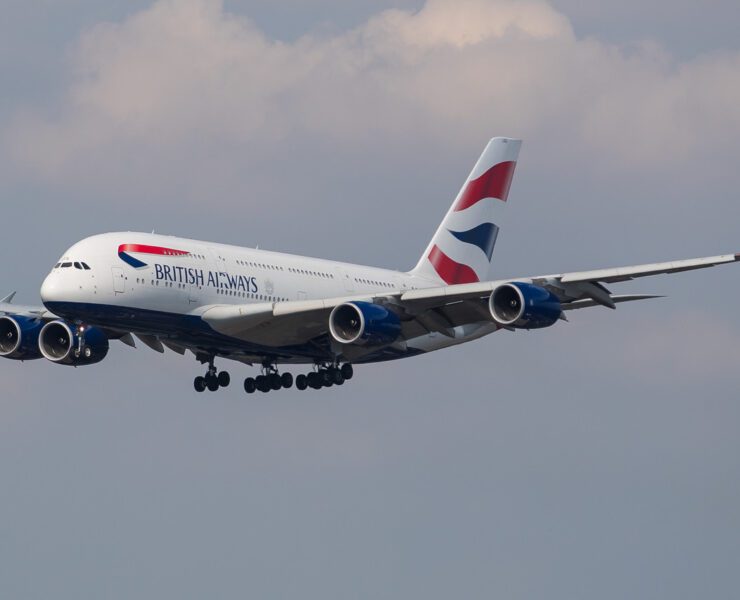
x=187 y=92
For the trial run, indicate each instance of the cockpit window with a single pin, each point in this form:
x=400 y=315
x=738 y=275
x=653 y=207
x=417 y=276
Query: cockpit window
x=56 y=266
x=78 y=266
x=66 y=265
x=85 y=266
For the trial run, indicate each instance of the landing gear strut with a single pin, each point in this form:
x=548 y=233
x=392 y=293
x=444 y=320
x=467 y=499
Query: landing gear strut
x=212 y=380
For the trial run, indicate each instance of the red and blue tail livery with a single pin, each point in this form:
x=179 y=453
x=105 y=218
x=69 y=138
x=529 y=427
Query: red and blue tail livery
x=271 y=311
x=461 y=250
x=125 y=251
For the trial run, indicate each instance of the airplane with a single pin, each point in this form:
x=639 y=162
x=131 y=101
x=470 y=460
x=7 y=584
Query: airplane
x=273 y=310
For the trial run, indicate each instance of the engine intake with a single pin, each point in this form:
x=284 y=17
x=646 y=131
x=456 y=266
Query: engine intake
x=19 y=337
x=524 y=306
x=68 y=345
x=364 y=324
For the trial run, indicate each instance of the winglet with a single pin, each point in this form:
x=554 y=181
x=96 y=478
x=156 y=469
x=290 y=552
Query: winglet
x=8 y=299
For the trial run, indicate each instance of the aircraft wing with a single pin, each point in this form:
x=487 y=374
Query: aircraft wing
x=438 y=309
x=7 y=308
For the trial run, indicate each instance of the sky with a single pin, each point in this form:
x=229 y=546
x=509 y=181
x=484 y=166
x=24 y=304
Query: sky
x=599 y=458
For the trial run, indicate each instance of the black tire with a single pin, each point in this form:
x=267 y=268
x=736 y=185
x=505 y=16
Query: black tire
x=347 y=371
x=325 y=377
x=314 y=381
x=199 y=384
x=224 y=379
x=301 y=382
x=250 y=385
x=262 y=384
x=274 y=381
x=286 y=381
x=212 y=383
x=336 y=376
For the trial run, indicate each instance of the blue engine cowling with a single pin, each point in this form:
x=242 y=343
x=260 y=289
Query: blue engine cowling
x=524 y=306
x=67 y=344
x=19 y=337
x=364 y=324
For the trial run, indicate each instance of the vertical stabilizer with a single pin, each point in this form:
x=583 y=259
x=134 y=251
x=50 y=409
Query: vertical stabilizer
x=462 y=248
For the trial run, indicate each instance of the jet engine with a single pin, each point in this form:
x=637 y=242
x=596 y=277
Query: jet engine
x=524 y=306
x=67 y=344
x=19 y=337
x=364 y=324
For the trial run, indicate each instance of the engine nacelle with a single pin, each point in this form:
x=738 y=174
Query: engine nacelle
x=524 y=306
x=67 y=344
x=19 y=337
x=364 y=324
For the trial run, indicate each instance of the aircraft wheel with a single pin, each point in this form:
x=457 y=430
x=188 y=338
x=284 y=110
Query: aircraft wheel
x=347 y=371
x=212 y=383
x=224 y=379
x=274 y=381
x=336 y=376
x=199 y=384
x=325 y=376
x=250 y=385
x=314 y=380
x=301 y=382
x=262 y=384
x=286 y=381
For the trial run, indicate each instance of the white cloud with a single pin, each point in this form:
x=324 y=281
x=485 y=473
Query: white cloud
x=185 y=87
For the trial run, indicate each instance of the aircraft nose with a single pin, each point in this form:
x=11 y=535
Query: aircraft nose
x=51 y=289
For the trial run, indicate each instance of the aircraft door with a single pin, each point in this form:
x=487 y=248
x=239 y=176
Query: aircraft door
x=119 y=280
x=346 y=279
x=194 y=293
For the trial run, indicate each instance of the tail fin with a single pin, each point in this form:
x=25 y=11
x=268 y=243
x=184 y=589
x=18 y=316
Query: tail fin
x=462 y=247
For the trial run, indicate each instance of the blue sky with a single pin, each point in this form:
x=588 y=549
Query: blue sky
x=595 y=459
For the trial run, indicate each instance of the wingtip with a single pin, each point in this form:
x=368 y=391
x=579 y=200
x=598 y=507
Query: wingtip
x=8 y=299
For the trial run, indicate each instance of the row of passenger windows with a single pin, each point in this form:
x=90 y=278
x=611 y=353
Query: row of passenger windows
x=314 y=273
x=252 y=295
x=77 y=265
x=372 y=282
x=269 y=267
x=249 y=263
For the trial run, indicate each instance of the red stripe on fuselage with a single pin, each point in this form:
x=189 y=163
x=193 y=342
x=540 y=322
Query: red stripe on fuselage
x=494 y=183
x=151 y=250
x=450 y=271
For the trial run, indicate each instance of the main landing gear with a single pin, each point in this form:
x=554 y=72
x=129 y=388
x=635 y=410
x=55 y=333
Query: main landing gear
x=324 y=376
x=269 y=380
x=212 y=380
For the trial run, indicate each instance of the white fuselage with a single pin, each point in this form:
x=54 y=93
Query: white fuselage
x=178 y=276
